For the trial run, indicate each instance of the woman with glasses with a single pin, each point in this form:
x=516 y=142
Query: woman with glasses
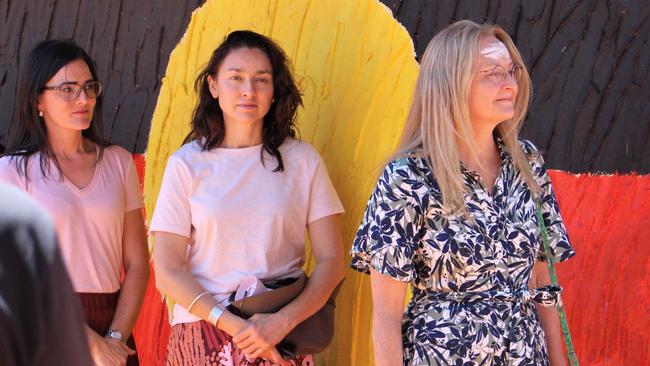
x=57 y=155
x=454 y=215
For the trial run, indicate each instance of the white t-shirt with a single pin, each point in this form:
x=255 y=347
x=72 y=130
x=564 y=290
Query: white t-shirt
x=89 y=221
x=242 y=218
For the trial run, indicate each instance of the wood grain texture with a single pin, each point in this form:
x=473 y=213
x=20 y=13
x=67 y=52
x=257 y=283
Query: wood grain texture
x=590 y=65
x=130 y=41
x=589 y=61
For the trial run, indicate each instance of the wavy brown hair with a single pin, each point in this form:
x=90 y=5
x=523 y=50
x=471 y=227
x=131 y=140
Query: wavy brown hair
x=208 y=127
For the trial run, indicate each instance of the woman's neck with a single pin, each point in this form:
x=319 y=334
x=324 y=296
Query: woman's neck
x=67 y=144
x=239 y=135
x=487 y=151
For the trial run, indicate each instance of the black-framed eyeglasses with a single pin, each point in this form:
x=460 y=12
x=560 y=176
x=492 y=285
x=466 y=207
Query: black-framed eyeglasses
x=70 y=92
x=499 y=74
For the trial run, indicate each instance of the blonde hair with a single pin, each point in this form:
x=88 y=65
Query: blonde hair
x=439 y=113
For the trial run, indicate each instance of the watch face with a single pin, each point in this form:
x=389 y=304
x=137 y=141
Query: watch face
x=114 y=334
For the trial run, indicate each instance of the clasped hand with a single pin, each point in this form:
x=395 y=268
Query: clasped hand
x=263 y=333
x=109 y=352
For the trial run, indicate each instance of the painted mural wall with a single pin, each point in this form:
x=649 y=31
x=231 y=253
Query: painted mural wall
x=357 y=62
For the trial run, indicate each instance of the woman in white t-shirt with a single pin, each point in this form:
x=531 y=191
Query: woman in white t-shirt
x=57 y=155
x=235 y=204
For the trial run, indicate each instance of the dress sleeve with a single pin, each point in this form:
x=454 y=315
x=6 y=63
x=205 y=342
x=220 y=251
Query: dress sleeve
x=172 y=213
x=389 y=235
x=558 y=238
x=323 y=200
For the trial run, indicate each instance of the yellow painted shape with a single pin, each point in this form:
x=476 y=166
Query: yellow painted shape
x=355 y=65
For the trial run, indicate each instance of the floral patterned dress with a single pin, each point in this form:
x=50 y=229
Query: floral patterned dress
x=471 y=304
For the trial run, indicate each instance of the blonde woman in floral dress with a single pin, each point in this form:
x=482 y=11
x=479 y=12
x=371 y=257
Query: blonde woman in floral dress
x=454 y=215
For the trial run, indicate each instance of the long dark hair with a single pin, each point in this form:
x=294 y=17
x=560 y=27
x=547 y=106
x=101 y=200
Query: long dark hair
x=208 y=127
x=29 y=134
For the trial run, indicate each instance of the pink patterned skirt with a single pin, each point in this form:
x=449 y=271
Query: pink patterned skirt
x=200 y=343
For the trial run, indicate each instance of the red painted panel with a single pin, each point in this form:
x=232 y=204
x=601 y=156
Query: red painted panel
x=152 y=329
x=607 y=284
x=139 y=166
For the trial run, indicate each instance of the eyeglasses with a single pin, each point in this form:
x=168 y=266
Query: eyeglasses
x=70 y=92
x=499 y=74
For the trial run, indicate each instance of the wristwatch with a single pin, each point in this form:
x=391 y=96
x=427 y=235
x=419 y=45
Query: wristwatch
x=114 y=334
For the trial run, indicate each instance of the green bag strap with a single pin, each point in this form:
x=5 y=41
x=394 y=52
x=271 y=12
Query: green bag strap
x=571 y=353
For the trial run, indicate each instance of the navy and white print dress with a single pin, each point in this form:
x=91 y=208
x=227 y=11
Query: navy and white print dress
x=471 y=304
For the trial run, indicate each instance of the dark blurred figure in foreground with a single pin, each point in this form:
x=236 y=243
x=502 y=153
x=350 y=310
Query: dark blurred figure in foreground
x=40 y=317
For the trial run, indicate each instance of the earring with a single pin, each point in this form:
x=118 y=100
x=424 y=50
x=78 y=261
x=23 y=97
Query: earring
x=40 y=114
x=273 y=100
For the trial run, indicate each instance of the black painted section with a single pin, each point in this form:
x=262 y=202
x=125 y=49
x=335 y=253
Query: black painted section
x=590 y=65
x=130 y=41
x=589 y=61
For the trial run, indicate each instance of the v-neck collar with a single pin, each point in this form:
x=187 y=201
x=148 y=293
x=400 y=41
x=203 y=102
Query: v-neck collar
x=475 y=178
x=90 y=184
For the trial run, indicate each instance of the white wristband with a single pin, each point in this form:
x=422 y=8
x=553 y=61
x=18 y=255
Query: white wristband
x=214 y=316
